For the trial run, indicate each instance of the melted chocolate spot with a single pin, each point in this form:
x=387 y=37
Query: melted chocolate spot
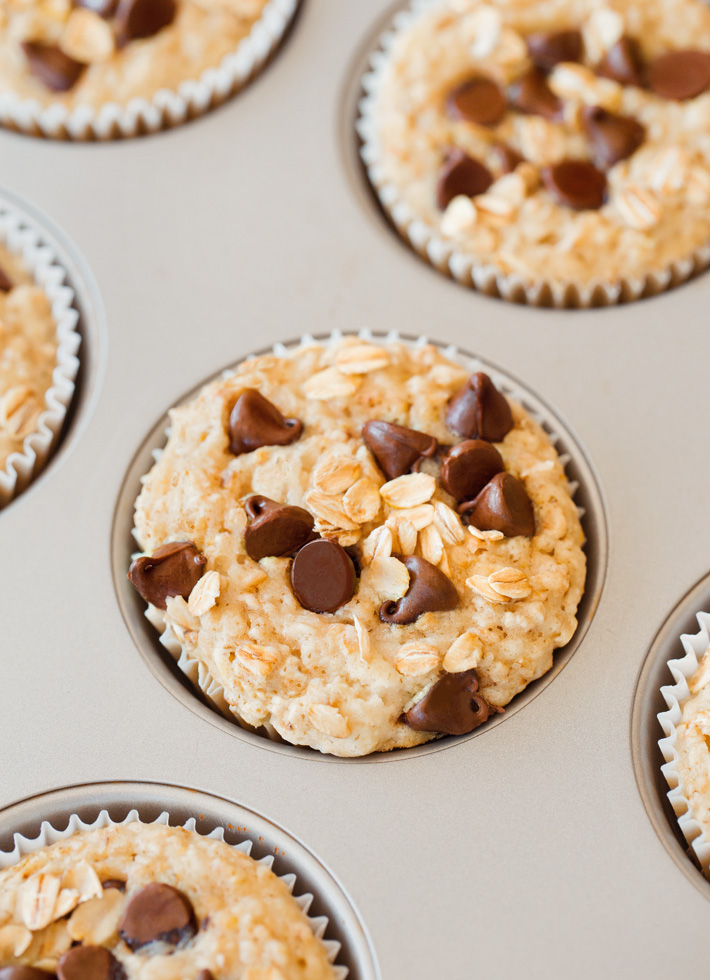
x=396 y=448
x=429 y=591
x=5 y=282
x=479 y=101
x=576 y=184
x=116 y=883
x=531 y=94
x=506 y=158
x=548 y=49
x=174 y=569
x=502 y=505
x=48 y=63
x=89 y=963
x=136 y=19
x=461 y=174
x=623 y=63
x=680 y=75
x=157 y=913
x=24 y=973
x=613 y=137
x=468 y=467
x=255 y=421
x=276 y=529
x=479 y=410
x=323 y=576
x=451 y=707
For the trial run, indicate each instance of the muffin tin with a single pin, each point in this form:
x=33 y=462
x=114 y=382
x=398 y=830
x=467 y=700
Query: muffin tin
x=527 y=851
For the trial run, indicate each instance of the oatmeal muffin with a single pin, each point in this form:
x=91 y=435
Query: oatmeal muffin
x=562 y=142
x=28 y=354
x=148 y=900
x=364 y=545
x=92 y=52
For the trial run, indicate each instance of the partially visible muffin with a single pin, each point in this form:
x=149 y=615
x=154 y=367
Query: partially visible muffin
x=147 y=901
x=693 y=745
x=362 y=544
x=28 y=353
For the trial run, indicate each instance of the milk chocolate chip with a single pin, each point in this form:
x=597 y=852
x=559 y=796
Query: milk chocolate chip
x=24 y=973
x=255 y=421
x=576 y=184
x=429 y=591
x=461 y=174
x=451 y=707
x=548 y=49
x=531 y=94
x=275 y=529
x=116 y=883
x=323 y=576
x=89 y=963
x=623 y=63
x=479 y=410
x=5 y=282
x=396 y=448
x=468 y=467
x=48 y=63
x=505 y=157
x=502 y=505
x=204 y=975
x=613 y=137
x=479 y=101
x=157 y=913
x=174 y=569
x=680 y=75
x=142 y=18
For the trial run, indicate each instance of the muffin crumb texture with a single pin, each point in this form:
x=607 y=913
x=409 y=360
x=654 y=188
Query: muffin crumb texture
x=28 y=354
x=152 y=901
x=367 y=552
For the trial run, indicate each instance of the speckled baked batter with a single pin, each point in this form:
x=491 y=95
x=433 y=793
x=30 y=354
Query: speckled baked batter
x=203 y=32
x=248 y=925
x=657 y=210
x=339 y=682
x=28 y=355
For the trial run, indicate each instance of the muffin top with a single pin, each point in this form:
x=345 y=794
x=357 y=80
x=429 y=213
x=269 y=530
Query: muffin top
x=363 y=544
x=99 y=51
x=560 y=141
x=28 y=353
x=155 y=902
x=692 y=734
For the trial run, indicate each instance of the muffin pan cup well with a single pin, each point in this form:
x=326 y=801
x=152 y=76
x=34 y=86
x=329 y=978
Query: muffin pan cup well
x=49 y=817
x=189 y=680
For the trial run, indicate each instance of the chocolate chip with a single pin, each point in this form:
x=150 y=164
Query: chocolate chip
x=142 y=18
x=396 y=448
x=479 y=410
x=174 y=569
x=502 y=505
x=89 y=963
x=104 y=8
x=461 y=174
x=204 y=975
x=116 y=883
x=157 y=913
x=468 y=467
x=505 y=157
x=323 y=576
x=478 y=100
x=623 y=62
x=24 y=973
x=429 y=591
x=255 y=421
x=532 y=94
x=548 y=49
x=48 y=63
x=680 y=75
x=276 y=529
x=576 y=184
x=5 y=282
x=613 y=137
x=451 y=707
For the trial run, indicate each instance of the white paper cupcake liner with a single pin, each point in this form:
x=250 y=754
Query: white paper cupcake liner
x=445 y=256
x=50 y=835
x=167 y=107
x=26 y=240
x=695 y=646
x=194 y=669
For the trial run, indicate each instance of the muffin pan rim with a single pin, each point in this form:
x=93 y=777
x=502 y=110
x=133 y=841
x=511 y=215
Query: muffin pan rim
x=146 y=638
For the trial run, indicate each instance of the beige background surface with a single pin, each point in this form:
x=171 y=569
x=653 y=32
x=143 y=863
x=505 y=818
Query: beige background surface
x=524 y=852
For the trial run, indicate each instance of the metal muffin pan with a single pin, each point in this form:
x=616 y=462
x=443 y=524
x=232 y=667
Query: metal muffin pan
x=525 y=853
x=123 y=545
x=239 y=824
